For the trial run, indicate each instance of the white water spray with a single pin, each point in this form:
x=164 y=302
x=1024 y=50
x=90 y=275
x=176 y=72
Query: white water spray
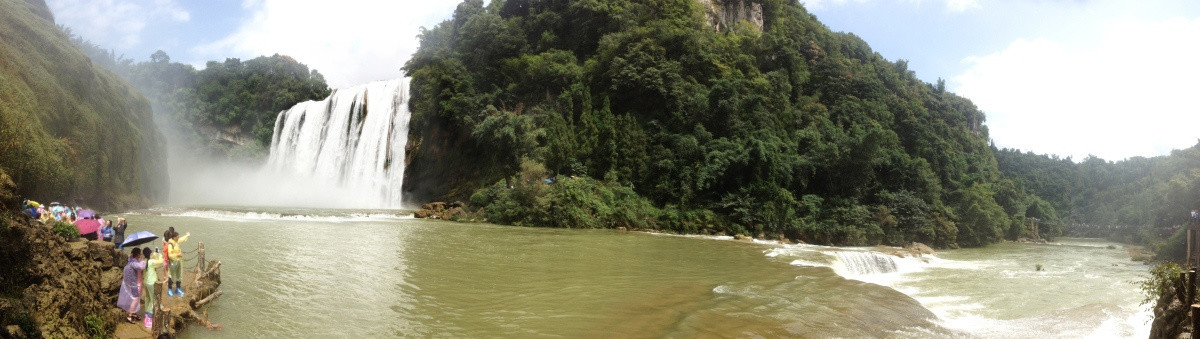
x=349 y=146
x=343 y=152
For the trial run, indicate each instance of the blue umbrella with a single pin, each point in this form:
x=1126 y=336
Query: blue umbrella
x=87 y=214
x=138 y=239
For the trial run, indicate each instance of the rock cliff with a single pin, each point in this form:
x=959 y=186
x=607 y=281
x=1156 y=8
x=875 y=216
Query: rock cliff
x=50 y=287
x=723 y=15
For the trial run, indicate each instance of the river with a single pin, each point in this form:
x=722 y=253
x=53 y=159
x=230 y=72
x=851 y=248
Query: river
x=347 y=273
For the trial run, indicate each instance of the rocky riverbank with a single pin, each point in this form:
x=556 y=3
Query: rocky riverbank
x=55 y=288
x=1171 y=314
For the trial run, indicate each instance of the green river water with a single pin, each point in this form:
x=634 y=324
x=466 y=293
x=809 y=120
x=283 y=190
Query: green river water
x=340 y=273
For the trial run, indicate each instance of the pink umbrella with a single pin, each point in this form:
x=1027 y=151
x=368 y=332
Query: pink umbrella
x=87 y=225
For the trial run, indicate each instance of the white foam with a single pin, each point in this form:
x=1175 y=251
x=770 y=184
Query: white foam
x=267 y=216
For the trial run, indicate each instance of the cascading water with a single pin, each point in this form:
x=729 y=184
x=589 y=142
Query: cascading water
x=351 y=145
x=864 y=263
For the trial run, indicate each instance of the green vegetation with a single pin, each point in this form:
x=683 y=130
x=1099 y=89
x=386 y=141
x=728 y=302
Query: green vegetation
x=1138 y=200
x=785 y=129
x=1161 y=280
x=66 y=230
x=71 y=130
x=98 y=327
x=228 y=108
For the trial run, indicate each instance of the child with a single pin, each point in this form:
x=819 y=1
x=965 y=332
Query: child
x=176 y=257
x=150 y=277
x=131 y=289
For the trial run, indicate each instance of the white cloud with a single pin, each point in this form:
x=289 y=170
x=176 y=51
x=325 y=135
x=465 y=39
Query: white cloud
x=114 y=23
x=350 y=42
x=961 y=5
x=951 y=5
x=1130 y=91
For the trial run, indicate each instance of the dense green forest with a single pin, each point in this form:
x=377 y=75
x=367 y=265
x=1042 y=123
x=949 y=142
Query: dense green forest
x=1137 y=200
x=653 y=114
x=70 y=130
x=228 y=108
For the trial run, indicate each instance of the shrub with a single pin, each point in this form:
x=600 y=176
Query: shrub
x=66 y=230
x=1161 y=281
x=97 y=327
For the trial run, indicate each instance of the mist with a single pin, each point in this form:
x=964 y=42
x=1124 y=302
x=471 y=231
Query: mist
x=333 y=153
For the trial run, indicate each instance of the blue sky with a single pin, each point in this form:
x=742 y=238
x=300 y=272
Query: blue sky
x=1110 y=78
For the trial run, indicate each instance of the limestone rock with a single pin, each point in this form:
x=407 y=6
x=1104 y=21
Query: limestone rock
x=920 y=249
x=723 y=15
x=441 y=210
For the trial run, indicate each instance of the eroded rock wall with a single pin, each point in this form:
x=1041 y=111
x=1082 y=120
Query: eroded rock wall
x=723 y=15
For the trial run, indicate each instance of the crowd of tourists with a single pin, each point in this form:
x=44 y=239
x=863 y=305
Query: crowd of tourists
x=92 y=225
x=140 y=273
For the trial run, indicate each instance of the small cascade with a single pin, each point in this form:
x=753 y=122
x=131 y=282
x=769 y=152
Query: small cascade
x=865 y=262
x=350 y=145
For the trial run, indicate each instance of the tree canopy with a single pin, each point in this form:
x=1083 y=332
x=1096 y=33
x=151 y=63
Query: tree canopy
x=229 y=107
x=787 y=128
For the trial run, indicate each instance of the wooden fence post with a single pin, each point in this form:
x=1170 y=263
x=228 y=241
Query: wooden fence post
x=200 y=259
x=1195 y=324
x=1191 y=289
x=162 y=315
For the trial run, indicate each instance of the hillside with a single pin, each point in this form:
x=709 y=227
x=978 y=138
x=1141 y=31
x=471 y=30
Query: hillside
x=699 y=116
x=1137 y=200
x=72 y=130
x=225 y=110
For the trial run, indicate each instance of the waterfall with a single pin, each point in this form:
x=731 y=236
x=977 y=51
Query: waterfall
x=349 y=146
x=865 y=263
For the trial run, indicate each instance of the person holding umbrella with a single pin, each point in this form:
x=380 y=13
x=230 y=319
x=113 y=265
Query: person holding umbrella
x=88 y=228
x=131 y=285
x=138 y=238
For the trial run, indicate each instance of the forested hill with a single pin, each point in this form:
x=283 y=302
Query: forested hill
x=699 y=116
x=227 y=109
x=1140 y=200
x=70 y=130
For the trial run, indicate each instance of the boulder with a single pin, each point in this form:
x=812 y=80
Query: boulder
x=441 y=210
x=742 y=237
x=14 y=331
x=920 y=249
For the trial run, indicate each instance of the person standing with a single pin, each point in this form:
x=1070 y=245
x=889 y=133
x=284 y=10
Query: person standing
x=131 y=285
x=119 y=231
x=106 y=231
x=150 y=278
x=176 y=258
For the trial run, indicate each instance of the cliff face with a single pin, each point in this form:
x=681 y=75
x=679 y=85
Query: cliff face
x=723 y=15
x=72 y=130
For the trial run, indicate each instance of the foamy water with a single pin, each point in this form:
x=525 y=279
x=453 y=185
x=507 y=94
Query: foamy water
x=1085 y=289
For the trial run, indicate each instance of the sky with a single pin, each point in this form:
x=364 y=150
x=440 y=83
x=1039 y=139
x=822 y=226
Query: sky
x=1113 y=79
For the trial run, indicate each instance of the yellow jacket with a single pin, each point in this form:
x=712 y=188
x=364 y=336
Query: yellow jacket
x=176 y=254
